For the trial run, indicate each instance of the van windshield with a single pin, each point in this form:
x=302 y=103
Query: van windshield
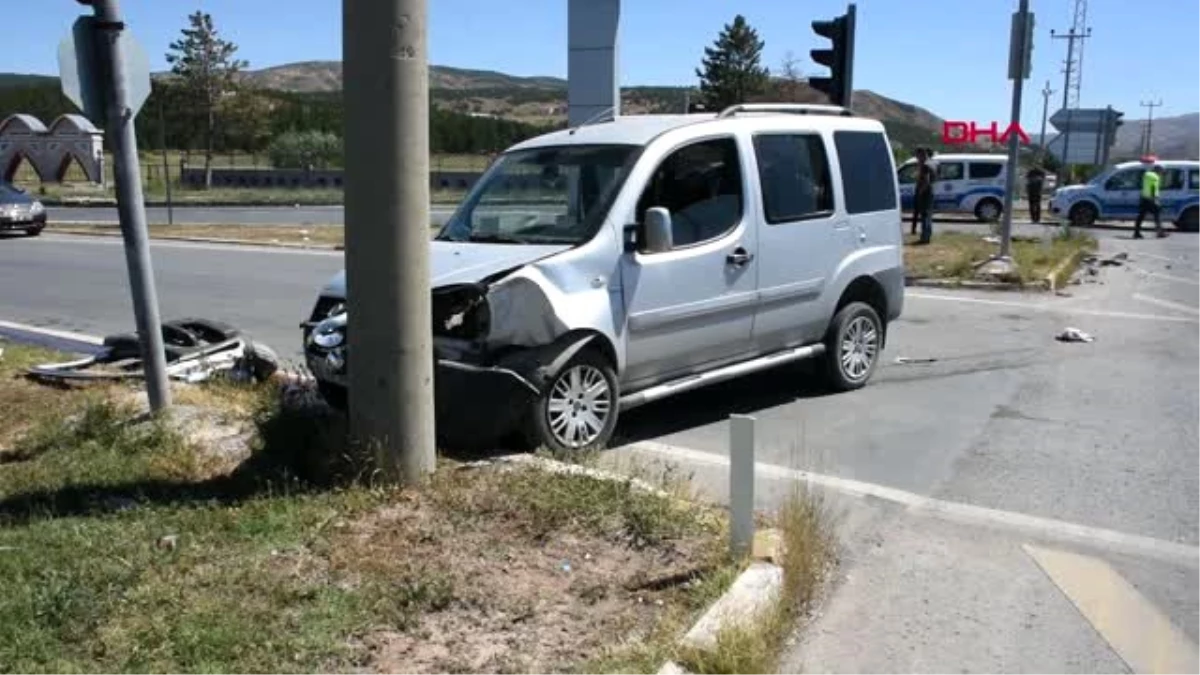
x=551 y=195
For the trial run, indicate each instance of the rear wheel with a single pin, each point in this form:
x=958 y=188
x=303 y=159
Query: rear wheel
x=578 y=406
x=852 y=346
x=988 y=210
x=1083 y=215
x=1187 y=220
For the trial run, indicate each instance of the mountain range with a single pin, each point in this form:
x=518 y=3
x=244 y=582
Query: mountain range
x=542 y=100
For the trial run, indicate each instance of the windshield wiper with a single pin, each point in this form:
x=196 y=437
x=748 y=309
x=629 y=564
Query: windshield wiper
x=494 y=239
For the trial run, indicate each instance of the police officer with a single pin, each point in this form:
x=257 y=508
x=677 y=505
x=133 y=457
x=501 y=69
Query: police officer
x=923 y=196
x=1149 y=202
x=1034 y=179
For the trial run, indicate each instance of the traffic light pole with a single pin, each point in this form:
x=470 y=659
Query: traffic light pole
x=390 y=331
x=131 y=205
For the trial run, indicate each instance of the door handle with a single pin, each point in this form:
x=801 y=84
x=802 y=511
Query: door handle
x=739 y=257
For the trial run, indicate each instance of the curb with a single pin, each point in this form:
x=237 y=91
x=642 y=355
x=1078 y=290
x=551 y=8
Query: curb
x=969 y=284
x=1053 y=279
x=207 y=240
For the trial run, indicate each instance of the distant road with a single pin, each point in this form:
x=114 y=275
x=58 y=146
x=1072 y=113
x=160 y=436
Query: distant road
x=238 y=215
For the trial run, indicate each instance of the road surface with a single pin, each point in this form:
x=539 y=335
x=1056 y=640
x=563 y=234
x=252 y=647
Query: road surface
x=998 y=475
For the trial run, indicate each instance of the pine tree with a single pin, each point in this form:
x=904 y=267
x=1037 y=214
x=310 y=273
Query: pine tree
x=207 y=71
x=730 y=71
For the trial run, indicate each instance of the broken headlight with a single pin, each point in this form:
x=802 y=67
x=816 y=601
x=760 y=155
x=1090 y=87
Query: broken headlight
x=331 y=332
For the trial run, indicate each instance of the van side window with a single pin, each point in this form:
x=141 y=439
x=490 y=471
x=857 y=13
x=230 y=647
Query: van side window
x=701 y=185
x=985 y=169
x=907 y=174
x=865 y=162
x=1173 y=180
x=1129 y=179
x=950 y=171
x=793 y=176
x=1193 y=179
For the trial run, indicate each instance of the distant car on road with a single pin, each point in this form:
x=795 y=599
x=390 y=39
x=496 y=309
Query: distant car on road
x=1114 y=195
x=599 y=268
x=19 y=211
x=963 y=183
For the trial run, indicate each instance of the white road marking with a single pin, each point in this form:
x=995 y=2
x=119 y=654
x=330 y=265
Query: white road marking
x=1136 y=630
x=53 y=332
x=1166 y=303
x=1042 y=307
x=1165 y=277
x=1049 y=528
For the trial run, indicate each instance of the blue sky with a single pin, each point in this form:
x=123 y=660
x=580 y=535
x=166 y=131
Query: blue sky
x=949 y=56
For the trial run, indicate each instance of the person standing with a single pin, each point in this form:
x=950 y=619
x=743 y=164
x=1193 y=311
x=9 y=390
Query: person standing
x=1149 y=202
x=923 y=196
x=1035 y=178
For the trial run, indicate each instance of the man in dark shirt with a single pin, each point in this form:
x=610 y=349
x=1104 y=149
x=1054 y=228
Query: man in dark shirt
x=923 y=195
x=1035 y=178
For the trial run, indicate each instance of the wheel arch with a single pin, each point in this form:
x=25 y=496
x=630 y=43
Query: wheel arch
x=867 y=289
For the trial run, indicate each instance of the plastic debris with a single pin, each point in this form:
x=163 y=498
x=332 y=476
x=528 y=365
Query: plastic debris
x=1074 y=335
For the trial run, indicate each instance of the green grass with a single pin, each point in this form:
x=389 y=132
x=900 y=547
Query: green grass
x=121 y=550
x=955 y=255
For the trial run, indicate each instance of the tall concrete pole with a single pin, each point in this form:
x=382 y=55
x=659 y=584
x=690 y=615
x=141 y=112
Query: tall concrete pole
x=1014 y=140
x=131 y=205
x=390 y=332
x=1046 y=92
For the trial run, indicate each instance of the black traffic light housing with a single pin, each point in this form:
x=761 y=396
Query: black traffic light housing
x=839 y=58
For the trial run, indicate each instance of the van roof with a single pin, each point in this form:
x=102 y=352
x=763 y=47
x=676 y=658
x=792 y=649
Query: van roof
x=641 y=129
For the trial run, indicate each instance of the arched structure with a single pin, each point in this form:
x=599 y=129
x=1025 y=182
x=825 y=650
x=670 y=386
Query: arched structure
x=49 y=150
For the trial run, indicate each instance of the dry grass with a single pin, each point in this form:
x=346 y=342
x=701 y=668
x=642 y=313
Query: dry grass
x=955 y=255
x=807 y=554
x=122 y=551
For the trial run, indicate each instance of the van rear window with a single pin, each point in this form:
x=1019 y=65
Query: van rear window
x=985 y=169
x=866 y=167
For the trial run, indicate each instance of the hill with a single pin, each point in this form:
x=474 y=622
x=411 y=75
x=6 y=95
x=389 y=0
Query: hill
x=1171 y=138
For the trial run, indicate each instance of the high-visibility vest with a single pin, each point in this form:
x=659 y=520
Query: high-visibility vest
x=1150 y=182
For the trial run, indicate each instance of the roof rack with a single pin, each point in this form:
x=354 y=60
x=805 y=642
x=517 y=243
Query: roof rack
x=788 y=108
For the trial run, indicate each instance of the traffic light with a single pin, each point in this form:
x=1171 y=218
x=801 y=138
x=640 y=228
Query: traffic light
x=839 y=58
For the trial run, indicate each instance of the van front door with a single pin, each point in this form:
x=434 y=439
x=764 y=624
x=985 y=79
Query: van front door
x=948 y=186
x=692 y=306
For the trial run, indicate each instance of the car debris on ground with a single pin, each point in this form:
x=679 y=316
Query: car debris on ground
x=196 y=350
x=1074 y=335
x=903 y=360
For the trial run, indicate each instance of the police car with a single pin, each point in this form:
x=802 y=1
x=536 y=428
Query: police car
x=964 y=183
x=1115 y=193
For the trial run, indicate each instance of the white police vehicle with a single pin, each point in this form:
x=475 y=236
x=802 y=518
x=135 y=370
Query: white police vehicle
x=1115 y=195
x=964 y=183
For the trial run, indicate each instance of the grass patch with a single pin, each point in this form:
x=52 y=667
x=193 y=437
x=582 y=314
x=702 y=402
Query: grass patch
x=121 y=551
x=806 y=554
x=955 y=255
x=180 y=196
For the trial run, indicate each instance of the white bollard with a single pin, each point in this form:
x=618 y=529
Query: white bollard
x=741 y=483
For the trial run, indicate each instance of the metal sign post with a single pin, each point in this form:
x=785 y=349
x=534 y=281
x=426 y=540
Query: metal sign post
x=108 y=77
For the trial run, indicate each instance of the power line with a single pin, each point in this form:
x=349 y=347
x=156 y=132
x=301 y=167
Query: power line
x=1073 y=80
x=1147 y=144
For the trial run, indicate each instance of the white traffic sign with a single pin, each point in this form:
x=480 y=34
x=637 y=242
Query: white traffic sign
x=80 y=69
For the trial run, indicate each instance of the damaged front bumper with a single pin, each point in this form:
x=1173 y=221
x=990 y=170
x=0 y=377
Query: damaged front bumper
x=474 y=401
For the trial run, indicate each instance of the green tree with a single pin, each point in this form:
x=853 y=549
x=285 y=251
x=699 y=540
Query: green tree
x=731 y=71
x=207 y=70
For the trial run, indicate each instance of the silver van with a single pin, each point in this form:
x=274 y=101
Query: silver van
x=606 y=266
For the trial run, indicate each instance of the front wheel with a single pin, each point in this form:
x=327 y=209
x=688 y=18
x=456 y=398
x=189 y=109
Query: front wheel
x=988 y=210
x=1083 y=215
x=852 y=346
x=578 y=407
x=1188 y=221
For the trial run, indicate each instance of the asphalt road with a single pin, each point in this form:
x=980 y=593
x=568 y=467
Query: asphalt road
x=1006 y=439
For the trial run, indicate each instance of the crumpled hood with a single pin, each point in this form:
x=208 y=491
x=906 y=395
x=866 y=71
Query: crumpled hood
x=453 y=262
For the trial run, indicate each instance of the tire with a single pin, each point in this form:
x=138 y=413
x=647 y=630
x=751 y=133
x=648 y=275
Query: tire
x=1083 y=215
x=1187 y=220
x=988 y=210
x=557 y=419
x=855 y=329
x=33 y=232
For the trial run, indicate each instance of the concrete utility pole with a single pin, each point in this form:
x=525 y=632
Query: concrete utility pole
x=1046 y=93
x=131 y=205
x=1147 y=143
x=390 y=331
x=1017 y=67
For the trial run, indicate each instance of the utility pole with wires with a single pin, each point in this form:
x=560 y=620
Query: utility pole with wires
x=1073 y=80
x=1147 y=143
x=1046 y=93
